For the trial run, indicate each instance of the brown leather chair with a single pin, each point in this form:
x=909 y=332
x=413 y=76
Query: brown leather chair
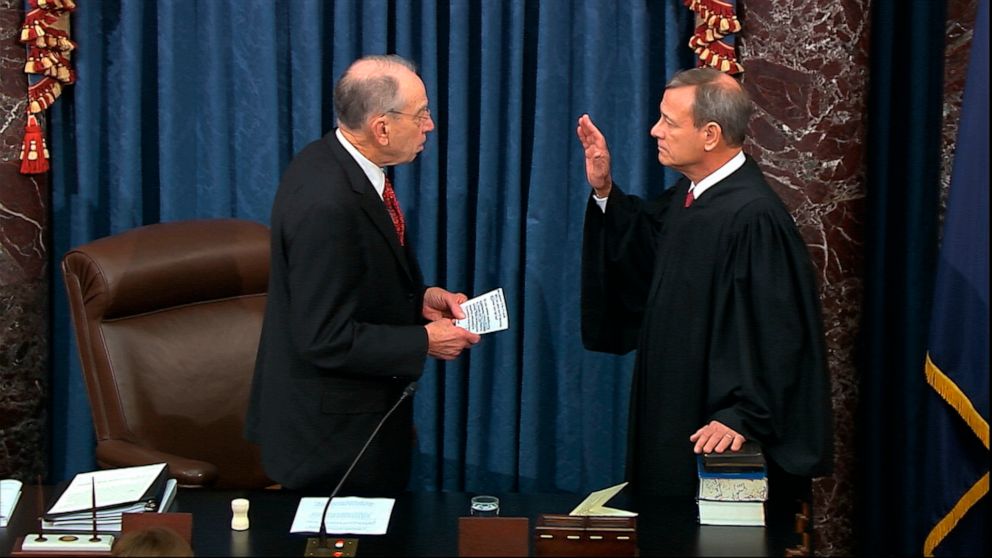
x=167 y=319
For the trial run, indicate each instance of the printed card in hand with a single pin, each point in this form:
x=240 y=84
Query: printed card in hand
x=485 y=313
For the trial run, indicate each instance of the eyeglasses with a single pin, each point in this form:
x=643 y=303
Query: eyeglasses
x=420 y=117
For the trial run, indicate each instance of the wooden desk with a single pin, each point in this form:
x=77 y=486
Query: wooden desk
x=426 y=524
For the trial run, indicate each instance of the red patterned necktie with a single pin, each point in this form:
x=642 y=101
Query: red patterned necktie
x=689 y=198
x=393 y=206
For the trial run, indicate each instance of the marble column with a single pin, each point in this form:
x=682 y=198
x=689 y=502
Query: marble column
x=961 y=16
x=24 y=273
x=806 y=66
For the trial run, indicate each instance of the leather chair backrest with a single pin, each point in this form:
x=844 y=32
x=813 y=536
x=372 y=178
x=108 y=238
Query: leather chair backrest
x=167 y=320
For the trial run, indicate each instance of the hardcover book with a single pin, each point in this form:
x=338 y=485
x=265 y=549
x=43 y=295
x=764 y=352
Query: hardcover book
x=749 y=486
x=748 y=458
x=733 y=487
x=715 y=512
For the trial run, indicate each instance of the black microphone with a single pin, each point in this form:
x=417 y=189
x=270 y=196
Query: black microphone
x=317 y=546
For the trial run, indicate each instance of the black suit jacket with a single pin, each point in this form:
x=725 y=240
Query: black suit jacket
x=343 y=332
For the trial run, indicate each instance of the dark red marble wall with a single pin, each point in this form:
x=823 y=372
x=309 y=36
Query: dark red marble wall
x=960 y=23
x=23 y=273
x=806 y=66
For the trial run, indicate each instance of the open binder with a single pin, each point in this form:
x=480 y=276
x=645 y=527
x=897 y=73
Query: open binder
x=145 y=488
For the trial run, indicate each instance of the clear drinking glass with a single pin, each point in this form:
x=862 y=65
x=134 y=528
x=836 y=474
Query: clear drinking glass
x=485 y=506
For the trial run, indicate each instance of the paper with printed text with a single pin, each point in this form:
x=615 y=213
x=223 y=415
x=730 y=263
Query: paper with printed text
x=485 y=313
x=345 y=516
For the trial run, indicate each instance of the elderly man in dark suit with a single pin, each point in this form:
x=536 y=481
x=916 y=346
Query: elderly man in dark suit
x=349 y=323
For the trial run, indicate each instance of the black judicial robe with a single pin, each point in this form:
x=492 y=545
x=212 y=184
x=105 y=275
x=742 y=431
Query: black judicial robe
x=720 y=301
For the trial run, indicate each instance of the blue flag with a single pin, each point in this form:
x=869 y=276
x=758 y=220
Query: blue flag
x=956 y=477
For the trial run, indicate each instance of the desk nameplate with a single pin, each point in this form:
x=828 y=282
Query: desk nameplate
x=18 y=550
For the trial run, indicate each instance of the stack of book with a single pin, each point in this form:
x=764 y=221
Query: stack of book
x=112 y=493
x=733 y=487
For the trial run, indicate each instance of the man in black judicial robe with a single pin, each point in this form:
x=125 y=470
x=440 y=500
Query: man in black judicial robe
x=716 y=291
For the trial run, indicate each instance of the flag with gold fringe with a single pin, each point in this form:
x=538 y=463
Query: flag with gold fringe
x=45 y=35
x=956 y=460
x=713 y=40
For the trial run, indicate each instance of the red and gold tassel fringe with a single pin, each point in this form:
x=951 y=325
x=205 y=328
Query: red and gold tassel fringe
x=45 y=34
x=715 y=20
x=36 y=22
x=41 y=95
x=706 y=34
x=717 y=55
x=34 y=150
x=718 y=15
x=54 y=39
x=60 y=5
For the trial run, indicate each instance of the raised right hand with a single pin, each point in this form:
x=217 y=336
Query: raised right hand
x=597 y=156
x=446 y=341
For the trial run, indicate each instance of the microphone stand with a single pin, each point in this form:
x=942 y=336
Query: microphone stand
x=317 y=546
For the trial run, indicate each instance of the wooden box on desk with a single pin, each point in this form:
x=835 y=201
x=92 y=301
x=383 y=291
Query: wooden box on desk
x=493 y=536
x=567 y=535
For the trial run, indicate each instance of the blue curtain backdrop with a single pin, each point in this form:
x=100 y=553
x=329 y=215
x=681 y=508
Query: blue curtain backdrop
x=191 y=109
x=903 y=202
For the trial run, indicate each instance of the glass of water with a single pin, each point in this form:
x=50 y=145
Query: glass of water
x=485 y=506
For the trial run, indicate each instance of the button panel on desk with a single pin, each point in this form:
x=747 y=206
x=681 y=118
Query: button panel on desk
x=336 y=547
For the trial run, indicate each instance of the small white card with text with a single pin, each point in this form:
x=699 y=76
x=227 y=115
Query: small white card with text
x=485 y=313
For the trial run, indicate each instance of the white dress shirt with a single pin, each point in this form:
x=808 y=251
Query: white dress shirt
x=376 y=175
x=728 y=168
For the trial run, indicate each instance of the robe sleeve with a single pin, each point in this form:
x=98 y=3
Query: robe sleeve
x=768 y=375
x=618 y=253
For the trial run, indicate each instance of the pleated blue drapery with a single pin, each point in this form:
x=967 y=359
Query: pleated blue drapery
x=191 y=109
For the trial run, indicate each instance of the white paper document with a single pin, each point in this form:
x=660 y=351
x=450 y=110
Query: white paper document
x=593 y=504
x=485 y=313
x=10 y=493
x=345 y=516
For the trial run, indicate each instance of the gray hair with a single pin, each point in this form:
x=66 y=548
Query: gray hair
x=357 y=97
x=717 y=101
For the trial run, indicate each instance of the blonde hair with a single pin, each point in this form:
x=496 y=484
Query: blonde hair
x=151 y=541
